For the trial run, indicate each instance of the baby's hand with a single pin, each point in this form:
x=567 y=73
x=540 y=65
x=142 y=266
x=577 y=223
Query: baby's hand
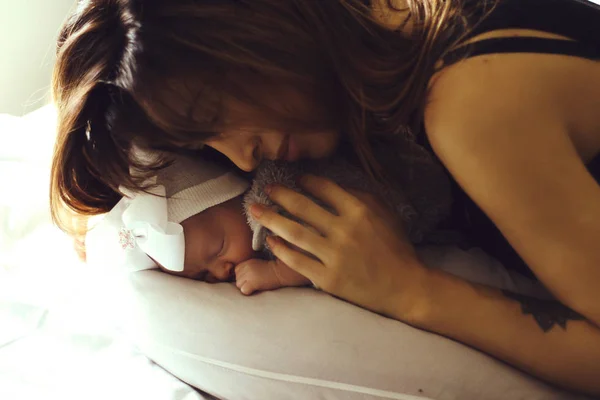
x=256 y=274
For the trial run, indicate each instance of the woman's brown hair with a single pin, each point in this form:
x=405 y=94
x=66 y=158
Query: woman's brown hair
x=160 y=74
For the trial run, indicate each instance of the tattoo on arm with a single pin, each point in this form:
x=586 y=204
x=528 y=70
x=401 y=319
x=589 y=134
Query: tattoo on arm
x=547 y=313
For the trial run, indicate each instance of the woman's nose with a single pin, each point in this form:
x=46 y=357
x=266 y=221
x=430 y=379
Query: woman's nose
x=246 y=154
x=246 y=162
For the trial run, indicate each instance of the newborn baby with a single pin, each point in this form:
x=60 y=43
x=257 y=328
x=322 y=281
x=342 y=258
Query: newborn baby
x=218 y=239
x=195 y=226
x=190 y=224
x=218 y=243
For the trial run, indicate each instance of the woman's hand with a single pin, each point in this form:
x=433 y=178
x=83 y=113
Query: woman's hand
x=363 y=256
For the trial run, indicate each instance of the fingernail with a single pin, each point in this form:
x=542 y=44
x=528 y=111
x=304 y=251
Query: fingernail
x=272 y=241
x=268 y=189
x=257 y=210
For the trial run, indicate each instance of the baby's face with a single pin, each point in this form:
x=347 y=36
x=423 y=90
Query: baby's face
x=216 y=240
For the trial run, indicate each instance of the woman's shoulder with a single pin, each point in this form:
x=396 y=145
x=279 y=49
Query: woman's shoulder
x=482 y=95
x=488 y=94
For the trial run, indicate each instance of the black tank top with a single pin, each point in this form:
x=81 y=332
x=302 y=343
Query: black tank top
x=576 y=19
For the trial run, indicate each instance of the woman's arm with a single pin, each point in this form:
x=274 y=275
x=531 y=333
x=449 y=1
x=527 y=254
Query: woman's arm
x=502 y=130
x=545 y=339
x=507 y=143
x=363 y=259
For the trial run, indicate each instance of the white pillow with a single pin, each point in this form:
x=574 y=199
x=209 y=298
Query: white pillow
x=25 y=151
x=303 y=344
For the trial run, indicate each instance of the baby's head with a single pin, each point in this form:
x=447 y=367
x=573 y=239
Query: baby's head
x=206 y=200
x=216 y=240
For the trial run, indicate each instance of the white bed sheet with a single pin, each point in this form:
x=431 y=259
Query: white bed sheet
x=57 y=341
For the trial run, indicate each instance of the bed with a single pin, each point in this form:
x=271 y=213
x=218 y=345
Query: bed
x=56 y=341
x=67 y=332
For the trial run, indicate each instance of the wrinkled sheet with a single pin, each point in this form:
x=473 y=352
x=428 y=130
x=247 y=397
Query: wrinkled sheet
x=57 y=339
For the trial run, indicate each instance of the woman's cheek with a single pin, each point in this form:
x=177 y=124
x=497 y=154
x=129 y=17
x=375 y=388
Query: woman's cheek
x=320 y=144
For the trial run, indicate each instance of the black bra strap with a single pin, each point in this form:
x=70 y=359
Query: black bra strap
x=594 y=166
x=523 y=45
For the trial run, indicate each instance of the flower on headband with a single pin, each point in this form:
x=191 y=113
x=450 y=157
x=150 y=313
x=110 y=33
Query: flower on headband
x=137 y=234
x=126 y=239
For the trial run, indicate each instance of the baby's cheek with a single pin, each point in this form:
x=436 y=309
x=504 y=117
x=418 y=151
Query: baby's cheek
x=241 y=250
x=191 y=263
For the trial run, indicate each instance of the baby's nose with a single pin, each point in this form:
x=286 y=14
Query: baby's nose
x=225 y=273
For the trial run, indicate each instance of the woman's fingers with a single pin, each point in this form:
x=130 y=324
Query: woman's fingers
x=301 y=263
x=331 y=193
x=302 y=207
x=302 y=236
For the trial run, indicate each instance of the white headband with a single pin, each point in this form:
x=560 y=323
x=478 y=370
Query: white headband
x=137 y=234
x=144 y=229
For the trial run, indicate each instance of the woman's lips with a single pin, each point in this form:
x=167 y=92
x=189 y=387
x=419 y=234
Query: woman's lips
x=293 y=153
x=289 y=150
x=283 y=148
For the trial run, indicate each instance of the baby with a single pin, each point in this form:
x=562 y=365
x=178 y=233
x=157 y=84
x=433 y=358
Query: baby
x=217 y=238
x=193 y=225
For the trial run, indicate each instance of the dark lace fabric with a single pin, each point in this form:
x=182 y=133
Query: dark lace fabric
x=576 y=19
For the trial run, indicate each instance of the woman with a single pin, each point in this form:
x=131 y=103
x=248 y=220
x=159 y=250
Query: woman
x=503 y=93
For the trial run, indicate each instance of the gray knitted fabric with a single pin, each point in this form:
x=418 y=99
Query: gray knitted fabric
x=185 y=172
x=418 y=191
x=193 y=185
